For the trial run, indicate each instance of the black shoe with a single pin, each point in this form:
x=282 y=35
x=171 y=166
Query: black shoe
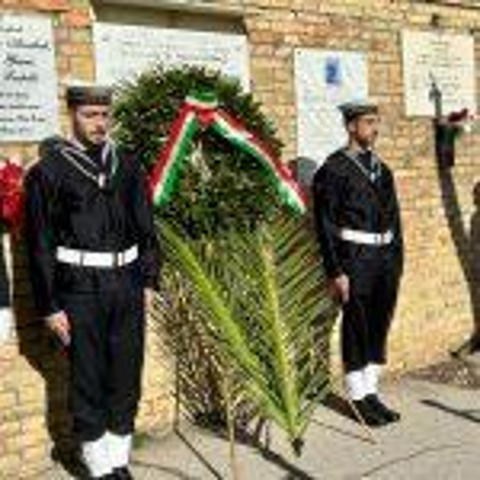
x=122 y=473
x=377 y=405
x=370 y=415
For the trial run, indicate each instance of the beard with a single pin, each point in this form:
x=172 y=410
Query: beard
x=366 y=142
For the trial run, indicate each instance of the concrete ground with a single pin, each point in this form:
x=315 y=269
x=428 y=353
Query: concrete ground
x=437 y=439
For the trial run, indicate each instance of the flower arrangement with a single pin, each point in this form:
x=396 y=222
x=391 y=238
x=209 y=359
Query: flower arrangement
x=11 y=193
x=447 y=130
x=11 y=214
x=238 y=325
x=461 y=121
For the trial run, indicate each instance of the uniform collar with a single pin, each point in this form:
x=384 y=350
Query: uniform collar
x=372 y=171
x=82 y=151
x=102 y=170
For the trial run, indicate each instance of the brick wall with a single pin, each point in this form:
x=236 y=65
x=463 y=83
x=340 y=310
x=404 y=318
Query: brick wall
x=436 y=305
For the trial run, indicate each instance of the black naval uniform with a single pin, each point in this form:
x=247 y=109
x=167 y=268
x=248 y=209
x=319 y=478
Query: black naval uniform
x=80 y=202
x=358 y=226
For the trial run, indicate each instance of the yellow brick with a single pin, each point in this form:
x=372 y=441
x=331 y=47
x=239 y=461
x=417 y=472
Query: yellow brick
x=9 y=428
x=9 y=464
x=81 y=67
x=7 y=400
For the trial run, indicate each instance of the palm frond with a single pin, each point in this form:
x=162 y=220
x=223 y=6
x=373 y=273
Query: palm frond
x=258 y=296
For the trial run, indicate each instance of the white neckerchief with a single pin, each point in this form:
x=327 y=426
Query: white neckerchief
x=74 y=148
x=371 y=175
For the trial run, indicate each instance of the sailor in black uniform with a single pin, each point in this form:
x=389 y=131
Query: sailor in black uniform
x=94 y=259
x=358 y=225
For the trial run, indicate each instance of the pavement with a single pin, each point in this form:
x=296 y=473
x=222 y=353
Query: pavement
x=437 y=439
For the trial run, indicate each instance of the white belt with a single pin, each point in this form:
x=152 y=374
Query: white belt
x=86 y=258
x=366 y=238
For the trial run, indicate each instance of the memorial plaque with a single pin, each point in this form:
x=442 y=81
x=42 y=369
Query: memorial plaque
x=124 y=51
x=324 y=80
x=438 y=60
x=28 y=82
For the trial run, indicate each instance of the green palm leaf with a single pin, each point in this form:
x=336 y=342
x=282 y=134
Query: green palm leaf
x=260 y=296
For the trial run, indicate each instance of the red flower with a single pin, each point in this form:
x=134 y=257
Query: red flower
x=458 y=116
x=11 y=194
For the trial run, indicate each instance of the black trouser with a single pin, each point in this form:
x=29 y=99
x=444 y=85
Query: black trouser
x=106 y=356
x=374 y=279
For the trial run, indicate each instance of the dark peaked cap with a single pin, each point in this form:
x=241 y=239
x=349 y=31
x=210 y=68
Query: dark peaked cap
x=88 y=94
x=352 y=110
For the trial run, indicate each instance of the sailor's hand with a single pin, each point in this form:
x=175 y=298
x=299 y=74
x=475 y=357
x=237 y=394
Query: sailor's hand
x=340 y=288
x=59 y=324
x=148 y=296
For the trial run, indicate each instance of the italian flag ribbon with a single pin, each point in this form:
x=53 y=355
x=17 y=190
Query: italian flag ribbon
x=202 y=112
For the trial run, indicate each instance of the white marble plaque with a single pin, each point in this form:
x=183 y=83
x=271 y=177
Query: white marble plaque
x=28 y=82
x=444 y=59
x=124 y=51
x=323 y=81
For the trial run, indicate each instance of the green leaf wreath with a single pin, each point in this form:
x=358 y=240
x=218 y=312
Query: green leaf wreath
x=243 y=302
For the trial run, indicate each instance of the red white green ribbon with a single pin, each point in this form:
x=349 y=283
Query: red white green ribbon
x=196 y=113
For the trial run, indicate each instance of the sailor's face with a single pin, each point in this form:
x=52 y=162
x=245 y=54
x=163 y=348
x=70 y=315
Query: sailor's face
x=91 y=123
x=364 y=129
